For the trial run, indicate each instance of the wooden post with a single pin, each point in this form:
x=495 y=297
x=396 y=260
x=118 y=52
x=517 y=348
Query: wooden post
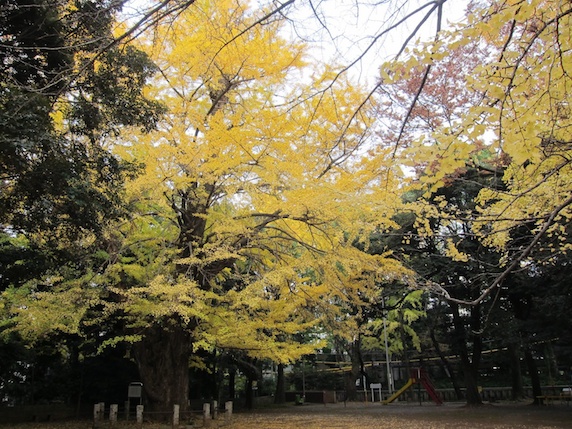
x=228 y=410
x=215 y=410
x=207 y=414
x=140 y=415
x=175 y=416
x=113 y=414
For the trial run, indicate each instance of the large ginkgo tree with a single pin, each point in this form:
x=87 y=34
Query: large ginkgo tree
x=250 y=198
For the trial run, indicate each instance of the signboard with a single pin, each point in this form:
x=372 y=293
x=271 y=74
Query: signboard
x=374 y=386
x=135 y=390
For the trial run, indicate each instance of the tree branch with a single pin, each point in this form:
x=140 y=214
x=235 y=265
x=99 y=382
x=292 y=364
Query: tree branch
x=513 y=265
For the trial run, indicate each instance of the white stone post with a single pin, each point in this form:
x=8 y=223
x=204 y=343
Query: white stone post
x=175 y=416
x=228 y=410
x=215 y=410
x=96 y=415
x=207 y=414
x=139 y=411
x=113 y=414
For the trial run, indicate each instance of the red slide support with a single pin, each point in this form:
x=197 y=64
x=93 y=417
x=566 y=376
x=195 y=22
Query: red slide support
x=420 y=375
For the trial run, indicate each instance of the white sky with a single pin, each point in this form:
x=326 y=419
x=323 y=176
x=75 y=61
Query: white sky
x=352 y=25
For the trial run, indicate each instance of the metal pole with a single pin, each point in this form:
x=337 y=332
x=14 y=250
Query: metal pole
x=388 y=368
x=419 y=385
x=303 y=383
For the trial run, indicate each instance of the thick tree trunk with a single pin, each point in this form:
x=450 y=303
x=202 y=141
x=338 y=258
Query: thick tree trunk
x=472 y=395
x=220 y=393
x=249 y=394
x=350 y=383
x=534 y=377
x=231 y=383
x=550 y=361
x=163 y=360
x=280 y=394
x=470 y=368
x=354 y=374
x=77 y=372
x=250 y=369
x=446 y=365
x=515 y=372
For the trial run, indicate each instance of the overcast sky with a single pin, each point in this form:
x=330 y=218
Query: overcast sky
x=343 y=29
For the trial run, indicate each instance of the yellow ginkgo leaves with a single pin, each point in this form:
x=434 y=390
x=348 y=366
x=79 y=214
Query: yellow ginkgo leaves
x=262 y=175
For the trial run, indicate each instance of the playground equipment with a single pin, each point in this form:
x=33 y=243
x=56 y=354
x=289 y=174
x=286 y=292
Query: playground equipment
x=417 y=376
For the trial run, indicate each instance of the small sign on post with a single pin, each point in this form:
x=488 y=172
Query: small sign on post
x=135 y=390
x=374 y=386
x=134 y=397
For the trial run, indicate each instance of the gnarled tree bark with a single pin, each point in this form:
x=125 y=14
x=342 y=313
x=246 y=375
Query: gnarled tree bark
x=163 y=360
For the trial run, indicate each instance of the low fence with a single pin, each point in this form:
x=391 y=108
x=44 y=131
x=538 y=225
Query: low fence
x=105 y=417
x=313 y=396
x=488 y=394
x=37 y=413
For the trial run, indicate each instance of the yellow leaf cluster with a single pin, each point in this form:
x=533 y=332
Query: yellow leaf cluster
x=276 y=171
x=521 y=115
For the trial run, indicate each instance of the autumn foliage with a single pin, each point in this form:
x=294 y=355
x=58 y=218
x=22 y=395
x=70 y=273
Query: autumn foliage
x=245 y=196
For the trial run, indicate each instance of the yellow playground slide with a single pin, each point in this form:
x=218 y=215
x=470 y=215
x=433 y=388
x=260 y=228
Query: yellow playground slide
x=397 y=394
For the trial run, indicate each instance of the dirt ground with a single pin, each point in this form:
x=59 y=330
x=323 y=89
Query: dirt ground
x=502 y=415
x=408 y=416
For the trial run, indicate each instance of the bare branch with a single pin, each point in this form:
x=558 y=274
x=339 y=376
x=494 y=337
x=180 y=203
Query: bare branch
x=515 y=262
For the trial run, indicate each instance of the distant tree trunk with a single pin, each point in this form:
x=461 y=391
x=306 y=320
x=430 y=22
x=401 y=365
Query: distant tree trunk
x=252 y=372
x=249 y=394
x=77 y=374
x=534 y=377
x=550 y=361
x=231 y=382
x=446 y=365
x=472 y=395
x=515 y=372
x=522 y=305
x=469 y=367
x=163 y=360
x=280 y=394
x=354 y=374
x=219 y=384
x=405 y=353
